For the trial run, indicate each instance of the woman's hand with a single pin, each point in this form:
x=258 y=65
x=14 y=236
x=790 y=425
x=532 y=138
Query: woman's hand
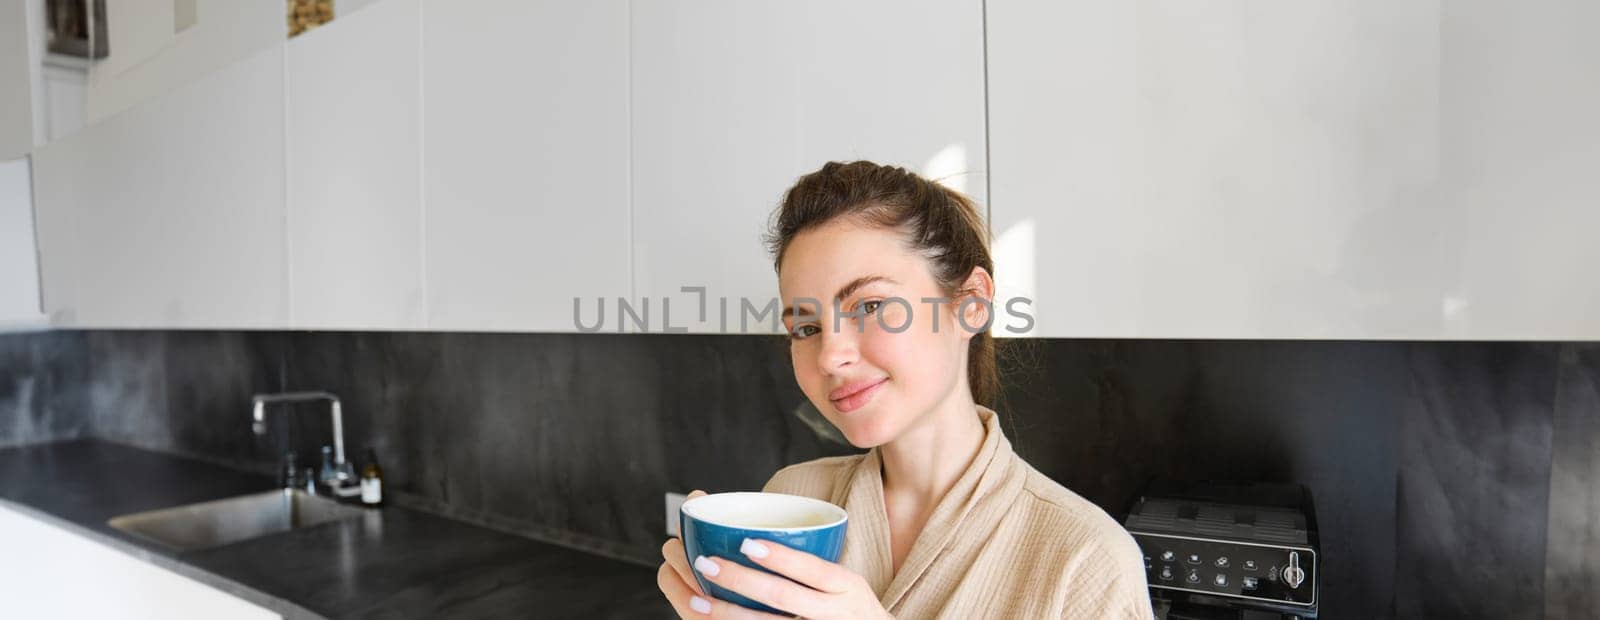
x=675 y=579
x=835 y=592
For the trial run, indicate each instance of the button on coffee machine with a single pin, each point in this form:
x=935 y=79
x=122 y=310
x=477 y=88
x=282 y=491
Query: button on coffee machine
x=1228 y=549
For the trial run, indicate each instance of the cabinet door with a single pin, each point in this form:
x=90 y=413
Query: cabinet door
x=525 y=160
x=45 y=570
x=1219 y=169
x=1520 y=140
x=733 y=100
x=170 y=215
x=19 y=273
x=354 y=184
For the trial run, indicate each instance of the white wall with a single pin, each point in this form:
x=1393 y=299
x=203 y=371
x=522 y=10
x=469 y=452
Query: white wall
x=19 y=77
x=38 y=41
x=19 y=267
x=60 y=100
x=41 y=94
x=148 y=59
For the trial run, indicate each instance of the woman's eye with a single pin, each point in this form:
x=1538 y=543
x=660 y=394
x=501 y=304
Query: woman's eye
x=870 y=307
x=802 y=331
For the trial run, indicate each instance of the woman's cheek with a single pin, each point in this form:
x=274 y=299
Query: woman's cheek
x=893 y=318
x=919 y=356
x=889 y=350
x=805 y=368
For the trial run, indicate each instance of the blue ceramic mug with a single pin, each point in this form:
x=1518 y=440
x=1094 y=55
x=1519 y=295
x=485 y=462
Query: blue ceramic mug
x=716 y=525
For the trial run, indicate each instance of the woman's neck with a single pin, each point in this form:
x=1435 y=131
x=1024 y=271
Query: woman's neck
x=925 y=461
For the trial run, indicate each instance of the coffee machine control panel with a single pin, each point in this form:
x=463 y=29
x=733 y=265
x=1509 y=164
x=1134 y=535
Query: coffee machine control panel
x=1280 y=574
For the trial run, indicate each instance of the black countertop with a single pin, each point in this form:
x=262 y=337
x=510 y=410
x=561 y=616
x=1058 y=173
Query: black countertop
x=393 y=563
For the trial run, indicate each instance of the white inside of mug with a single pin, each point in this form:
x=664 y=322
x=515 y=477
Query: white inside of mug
x=764 y=511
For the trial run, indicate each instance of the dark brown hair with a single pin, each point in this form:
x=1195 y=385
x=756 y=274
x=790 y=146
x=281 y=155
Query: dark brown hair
x=938 y=222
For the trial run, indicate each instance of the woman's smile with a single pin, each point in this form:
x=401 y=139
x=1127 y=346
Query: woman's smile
x=855 y=394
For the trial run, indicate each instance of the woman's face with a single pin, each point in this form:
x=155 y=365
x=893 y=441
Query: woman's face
x=877 y=373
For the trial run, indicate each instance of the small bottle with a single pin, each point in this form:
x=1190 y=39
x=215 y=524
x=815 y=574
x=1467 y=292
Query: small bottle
x=372 y=481
x=328 y=475
x=290 y=473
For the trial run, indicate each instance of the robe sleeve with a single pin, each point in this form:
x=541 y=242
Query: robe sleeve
x=1111 y=583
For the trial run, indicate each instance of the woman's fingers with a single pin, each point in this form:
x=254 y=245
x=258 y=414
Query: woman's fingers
x=677 y=582
x=684 y=601
x=673 y=552
x=768 y=589
x=810 y=570
x=677 y=594
x=721 y=610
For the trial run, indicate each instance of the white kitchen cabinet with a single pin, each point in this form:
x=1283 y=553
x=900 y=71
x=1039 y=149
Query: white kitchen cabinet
x=170 y=215
x=732 y=101
x=1520 y=150
x=48 y=572
x=354 y=166
x=19 y=267
x=1296 y=170
x=525 y=160
x=1218 y=169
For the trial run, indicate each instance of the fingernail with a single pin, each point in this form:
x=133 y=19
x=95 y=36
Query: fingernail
x=753 y=549
x=705 y=565
x=699 y=604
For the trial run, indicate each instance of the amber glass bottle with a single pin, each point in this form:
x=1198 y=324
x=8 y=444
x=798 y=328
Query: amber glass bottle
x=372 y=481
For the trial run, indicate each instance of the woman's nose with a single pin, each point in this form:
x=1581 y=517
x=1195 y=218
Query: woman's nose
x=839 y=347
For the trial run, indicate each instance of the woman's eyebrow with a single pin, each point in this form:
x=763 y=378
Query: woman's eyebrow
x=844 y=291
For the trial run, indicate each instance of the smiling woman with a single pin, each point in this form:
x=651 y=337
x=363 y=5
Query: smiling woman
x=888 y=291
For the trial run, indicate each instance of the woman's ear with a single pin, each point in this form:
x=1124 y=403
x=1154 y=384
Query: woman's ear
x=976 y=303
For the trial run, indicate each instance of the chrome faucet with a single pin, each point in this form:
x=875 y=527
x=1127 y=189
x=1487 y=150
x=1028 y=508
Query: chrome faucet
x=259 y=414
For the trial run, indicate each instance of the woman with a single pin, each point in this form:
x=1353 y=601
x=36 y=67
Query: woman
x=945 y=520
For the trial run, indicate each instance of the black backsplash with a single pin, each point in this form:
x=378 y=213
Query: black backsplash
x=44 y=386
x=1442 y=472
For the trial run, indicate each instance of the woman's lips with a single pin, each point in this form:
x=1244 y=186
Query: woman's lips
x=854 y=395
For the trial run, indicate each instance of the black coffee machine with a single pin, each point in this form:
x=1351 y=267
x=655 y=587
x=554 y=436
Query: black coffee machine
x=1228 y=550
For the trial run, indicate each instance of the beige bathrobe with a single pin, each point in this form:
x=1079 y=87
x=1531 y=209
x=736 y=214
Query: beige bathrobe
x=1005 y=542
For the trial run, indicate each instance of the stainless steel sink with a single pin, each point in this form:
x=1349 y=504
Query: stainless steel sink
x=224 y=521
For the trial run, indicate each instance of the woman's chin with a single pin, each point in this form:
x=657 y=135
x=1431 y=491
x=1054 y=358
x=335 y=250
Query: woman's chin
x=866 y=433
x=865 y=443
